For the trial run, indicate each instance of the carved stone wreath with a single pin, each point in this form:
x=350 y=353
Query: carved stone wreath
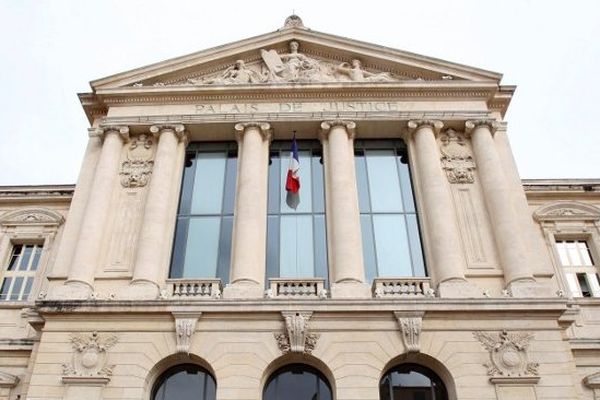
x=508 y=354
x=296 y=338
x=89 y=357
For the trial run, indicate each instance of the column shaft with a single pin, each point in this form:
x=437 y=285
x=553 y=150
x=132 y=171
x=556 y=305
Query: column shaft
x=87 y=251
x=447 y=261
x=250 y=218
x=149 y=266
x=344 y=233
x=507 y=232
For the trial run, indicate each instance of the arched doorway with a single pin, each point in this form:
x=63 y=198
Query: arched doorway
x=297 y=382
x=185 y=382
x=411 y=382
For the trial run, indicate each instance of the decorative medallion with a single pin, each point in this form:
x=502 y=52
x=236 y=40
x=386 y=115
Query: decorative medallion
x=89 y=358
x=456 y=158
x=508 y=354
x=296 y=338
x=136 y=169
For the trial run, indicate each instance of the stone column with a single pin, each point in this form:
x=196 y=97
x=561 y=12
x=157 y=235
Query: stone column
x=248 y=253
x=507 y=231
x=441 y=235
x=343 y=229
x=149 y=264
x=87 y=252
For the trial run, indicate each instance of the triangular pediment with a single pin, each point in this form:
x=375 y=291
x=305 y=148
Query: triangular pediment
x=270 y=59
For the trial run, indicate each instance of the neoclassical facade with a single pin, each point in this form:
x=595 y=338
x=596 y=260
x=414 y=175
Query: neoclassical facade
x=415 y=265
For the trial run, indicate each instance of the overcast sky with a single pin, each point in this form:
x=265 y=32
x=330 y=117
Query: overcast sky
x=50 y=50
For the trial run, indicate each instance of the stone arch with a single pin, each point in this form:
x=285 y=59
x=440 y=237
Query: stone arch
x=427 y=361
x=567 y=210
x=171 y=361
x=32 y=216
x=298 y=358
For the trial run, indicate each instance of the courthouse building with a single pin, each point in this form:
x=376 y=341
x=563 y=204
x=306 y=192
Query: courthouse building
x=416 y=265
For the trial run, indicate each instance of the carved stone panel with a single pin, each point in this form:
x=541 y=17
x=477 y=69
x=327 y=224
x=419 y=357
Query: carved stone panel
x=508 y=354
x=185 y=327
x=89 y=357
x=296 y=338
x=137 y=167
x=457 y=159
x=410 y=327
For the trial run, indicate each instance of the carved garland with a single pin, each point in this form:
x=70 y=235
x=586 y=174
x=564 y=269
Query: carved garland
x=296 y=338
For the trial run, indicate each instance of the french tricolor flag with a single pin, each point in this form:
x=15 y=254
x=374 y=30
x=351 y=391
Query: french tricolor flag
x=292 y=181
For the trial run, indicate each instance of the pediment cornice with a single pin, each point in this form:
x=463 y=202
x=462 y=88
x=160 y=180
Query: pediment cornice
x=567 y=211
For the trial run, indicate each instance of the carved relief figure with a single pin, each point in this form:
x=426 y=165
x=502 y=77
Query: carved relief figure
x=238 y=73
x=456 y=158
x=136 y=170
x=292 y=66
x=357 y=74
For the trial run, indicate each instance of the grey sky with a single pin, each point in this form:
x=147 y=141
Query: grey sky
x=50 y=50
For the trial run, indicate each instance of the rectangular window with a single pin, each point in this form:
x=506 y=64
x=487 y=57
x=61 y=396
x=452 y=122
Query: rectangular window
x=202 y=247
x=390 y=229
x=296 y=239
x=579 y=269
x=19 y=272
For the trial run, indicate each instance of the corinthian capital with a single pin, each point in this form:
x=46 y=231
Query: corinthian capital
x=415 y=124
x=263 y=127
x=177 y=129
x=470 y=125
x=103 y=130
x=327 y=126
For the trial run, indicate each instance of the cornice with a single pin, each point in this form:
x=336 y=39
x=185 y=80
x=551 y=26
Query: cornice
x=13 y=194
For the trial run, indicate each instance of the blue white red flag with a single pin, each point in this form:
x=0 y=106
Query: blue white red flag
x=292 y=182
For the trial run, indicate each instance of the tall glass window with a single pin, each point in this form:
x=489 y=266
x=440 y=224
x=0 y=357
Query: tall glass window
x=202 y=246
x=19 y=272
x=296 y=241
x=390 y=228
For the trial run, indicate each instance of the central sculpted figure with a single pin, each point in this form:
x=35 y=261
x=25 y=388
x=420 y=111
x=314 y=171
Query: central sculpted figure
x=292 y=66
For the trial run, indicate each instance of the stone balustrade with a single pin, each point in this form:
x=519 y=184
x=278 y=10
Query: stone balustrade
x=194 y=288
x=402 y=287
x=297 y=288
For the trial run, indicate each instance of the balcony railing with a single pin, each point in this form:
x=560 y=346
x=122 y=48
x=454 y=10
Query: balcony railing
x=402 y=287
x=297 y=288
x=194 y=288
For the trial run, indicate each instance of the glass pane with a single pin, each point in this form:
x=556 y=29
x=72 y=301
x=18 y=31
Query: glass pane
x=573 y=253
x=562 y=253
x=296 y=246
x=208 y=183
x=225 y=249
x=583 y=285
x=14 y=258
x=573 y=285
x=16 y=289
x=297 y=382
x=202 y=248
x=305 y=192
x=274 y=183
x=230 y=182
x=320 y=248
x=384 y=186
x=594 y=284
x=187 y=185
x=406 y=186
x=584 y=252
x=185 y=382
x=416 y=252
x=318 y=187
x=391 y=244
x=27 y=250
x=179 y=248
x=368 y=248
x=37 y=254
x=273 y=246
x=27 y=290
x=4 y=289
x=362 y=184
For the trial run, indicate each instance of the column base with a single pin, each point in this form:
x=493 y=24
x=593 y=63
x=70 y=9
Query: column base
x=244 y=290
x=458 y=289
x=71 y=290
x=139 y=291
x=350 y=290
x=530 y=288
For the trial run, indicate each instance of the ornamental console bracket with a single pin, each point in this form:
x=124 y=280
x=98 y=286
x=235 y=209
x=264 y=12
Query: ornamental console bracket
x=296 y=338
x=410 y=328
x=185 y=327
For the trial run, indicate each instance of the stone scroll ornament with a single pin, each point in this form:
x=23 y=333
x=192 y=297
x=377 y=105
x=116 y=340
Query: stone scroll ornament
x=137 y=168
x=90 y=356
x=456 y=159
x=296 y=338
x=508 y=354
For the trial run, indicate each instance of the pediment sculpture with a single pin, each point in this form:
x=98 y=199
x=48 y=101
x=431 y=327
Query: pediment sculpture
x=291 y=67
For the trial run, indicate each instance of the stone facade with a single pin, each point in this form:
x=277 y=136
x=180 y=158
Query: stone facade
x=495 y=318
